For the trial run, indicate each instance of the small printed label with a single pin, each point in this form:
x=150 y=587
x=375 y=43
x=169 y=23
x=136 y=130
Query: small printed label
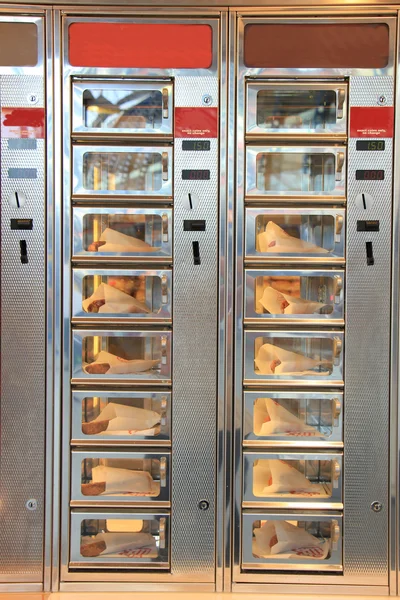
x=20 y=173
x=197 y=122
x=372 y=121
x=22 y=123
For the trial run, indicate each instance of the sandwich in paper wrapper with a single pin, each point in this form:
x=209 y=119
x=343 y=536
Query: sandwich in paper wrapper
x=280 y=539
x=272 y=360
x=270 y=418
x=119 y=419
x=275 y=239
x=114 y=365
x=113 y=241
x=277 y=477
x=114 y=481
x=278 y=303
x=108 y=299
x=119 y=545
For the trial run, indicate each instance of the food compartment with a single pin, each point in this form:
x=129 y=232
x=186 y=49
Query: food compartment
x=124 y=356
x=295 y=541
x=287 y=357
x=297 y=479
x=297 y=109
x=100 y=477
x=119 y=539
x=285 y=296
x=134 y=108
x=301 y=419
x=140 y=234
x=110 y=171
x=293 y=172
x=295 y=235
x=109 y=418
x=122 y=295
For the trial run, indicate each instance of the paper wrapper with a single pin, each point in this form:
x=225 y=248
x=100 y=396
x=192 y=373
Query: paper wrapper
x=115 y=301
x=288 y=541
x=126 y=418
x=277 y=303
x=125 y=481
x=272 y=360
x=271 y=418
x=272 y=477
x=120 y=366
x=120 y=242
x=275 y=239
x=129 y=545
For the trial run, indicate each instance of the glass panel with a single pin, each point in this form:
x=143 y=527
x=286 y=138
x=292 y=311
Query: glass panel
x=123 y=109
x=120 y=538
x=290 y=479
x=296 y=109
x=294 y=295
x=316 y=45
x=108 y=477
x=107 y=294
x=295 y=234
x=109 y=417
x=121 y=233
x=292 y=539
x=121 y=355
x=293 y=356
x=127 y=171
x=295 y=172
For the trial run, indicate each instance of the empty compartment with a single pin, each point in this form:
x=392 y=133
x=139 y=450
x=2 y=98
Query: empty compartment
x=125 y=356
x=119 y=539
x=293 y=541
x=298 y=479
x=294 y=296
x=125 y=107
x=301 y=419
x=140 y=234
x=293 y=171
x=142 y=418
x=108 y=171
x=292 y=356
x=297 y=109
x=100 y=477
x=122 y=295
x=295 y=235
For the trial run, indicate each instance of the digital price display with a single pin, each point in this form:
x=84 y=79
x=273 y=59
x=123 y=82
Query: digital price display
x=196 y=174
x=196 y=145
x=370 y=175
x=370 y=145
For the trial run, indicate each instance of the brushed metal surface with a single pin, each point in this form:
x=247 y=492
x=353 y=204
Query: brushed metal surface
x=23 y=346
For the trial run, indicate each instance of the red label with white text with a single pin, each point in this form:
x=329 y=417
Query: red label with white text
x=371 y=121
x=192 y=122
x=22 y=123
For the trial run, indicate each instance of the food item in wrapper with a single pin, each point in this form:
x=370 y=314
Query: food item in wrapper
x=109 y=299
x=113 y=241
x=128 y=545
x=114 y=365
x=277 y=303
x=272 y=418
x=121 y=419
x=111 y=480
x=282 y=478
x=288 y=541
x=272 y=360
x=275 y=239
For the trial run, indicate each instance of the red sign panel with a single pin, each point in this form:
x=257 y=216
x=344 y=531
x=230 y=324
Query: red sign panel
x=140 y=45
x=371 y=121
x=22 y=123
x=192 y=122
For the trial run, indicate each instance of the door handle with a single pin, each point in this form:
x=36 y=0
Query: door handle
x=336 y=410
x=341 y=97
x=164 y=410
x=164 y=161
x=337 y=347
x=337 y=287
x=335 y=473
x=163 y=350
x=164 y=289
x=335 y=534
x=164 y=220
x=162 y=533
x=338 y=228
x=339 y=165
x=165 y=100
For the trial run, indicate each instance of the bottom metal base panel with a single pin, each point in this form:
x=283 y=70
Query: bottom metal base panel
x=29 y=588
x=137 y=587
x=324 y=590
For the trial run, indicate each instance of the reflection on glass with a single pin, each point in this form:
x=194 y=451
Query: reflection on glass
x=120 y=355
x=293 y=539
x=121 y=233
x=293 y=356
x=123 y=109
x=296 y=109
x=120 y=538
x=295 y=234
x=289 y=479
x=293 y=418
x=120 y=477
x=294 y=295
x=127 y=171
x=109 y=294
x=295 y=172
